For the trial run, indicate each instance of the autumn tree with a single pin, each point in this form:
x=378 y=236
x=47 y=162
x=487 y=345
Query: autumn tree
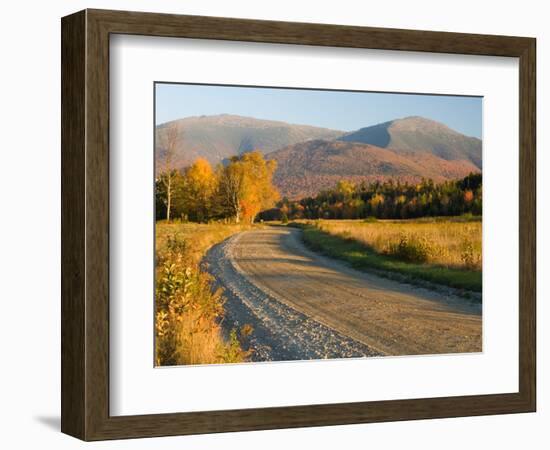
x=200 y=182
x=231 y=188
x=245 y=186
x=345 y=188
x=168 y=139
x=468 y=196
x=259 y=192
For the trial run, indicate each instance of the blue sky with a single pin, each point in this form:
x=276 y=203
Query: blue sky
x=341 y=110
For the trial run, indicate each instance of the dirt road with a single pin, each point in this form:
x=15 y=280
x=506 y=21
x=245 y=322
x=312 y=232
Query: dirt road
x=304 y=306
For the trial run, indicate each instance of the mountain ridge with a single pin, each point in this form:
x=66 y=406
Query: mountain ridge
x=224 y=135
x=314 y=158
x=420 y=135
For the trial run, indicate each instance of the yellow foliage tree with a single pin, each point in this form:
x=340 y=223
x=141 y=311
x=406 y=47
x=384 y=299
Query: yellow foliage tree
x=377 y=199
x=259 y=192
x=346 y=188
x=200 y=182
x=246 y=186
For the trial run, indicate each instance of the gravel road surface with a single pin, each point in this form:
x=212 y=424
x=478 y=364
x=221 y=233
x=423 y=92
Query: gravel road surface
x=302 y=305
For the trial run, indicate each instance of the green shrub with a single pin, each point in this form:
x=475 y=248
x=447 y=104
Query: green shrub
x=189 y=311
x=410 y=249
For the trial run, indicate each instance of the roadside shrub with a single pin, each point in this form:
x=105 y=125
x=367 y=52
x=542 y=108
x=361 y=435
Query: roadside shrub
x=410 y=249
x=188 y=311
x=346 y=235
x=176 y=244
x=469 y=256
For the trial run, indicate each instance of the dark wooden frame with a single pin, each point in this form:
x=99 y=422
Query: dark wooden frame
x=85 y=224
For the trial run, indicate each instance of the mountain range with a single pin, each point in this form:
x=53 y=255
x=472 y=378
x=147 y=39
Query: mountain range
x=219 y=137
x=311 y=159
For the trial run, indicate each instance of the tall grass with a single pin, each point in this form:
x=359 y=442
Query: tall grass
x=445 y=252
x=187 y=311
x=448 y=243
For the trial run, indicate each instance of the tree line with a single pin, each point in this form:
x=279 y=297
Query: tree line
x=385 y=200
x=238 y=190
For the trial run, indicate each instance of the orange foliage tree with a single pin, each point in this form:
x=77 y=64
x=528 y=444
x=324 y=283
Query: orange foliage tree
x=238 y=190
x=468 y=196
x=245 y=186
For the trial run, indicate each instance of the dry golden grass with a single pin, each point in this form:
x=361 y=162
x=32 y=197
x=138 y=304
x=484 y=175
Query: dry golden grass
x=451 y=243
x=198 y=237
x=188 y=313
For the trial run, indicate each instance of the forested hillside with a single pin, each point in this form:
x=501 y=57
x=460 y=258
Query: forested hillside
x=385 y=200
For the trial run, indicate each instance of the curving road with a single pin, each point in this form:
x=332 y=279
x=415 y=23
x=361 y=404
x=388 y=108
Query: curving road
x=302 y=305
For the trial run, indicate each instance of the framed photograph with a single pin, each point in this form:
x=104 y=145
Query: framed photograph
x=273 y=225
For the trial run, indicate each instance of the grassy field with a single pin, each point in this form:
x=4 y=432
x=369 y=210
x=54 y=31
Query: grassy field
x=445 y=251
x=188 y=313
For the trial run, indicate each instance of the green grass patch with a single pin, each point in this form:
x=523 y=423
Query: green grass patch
x=362 y=257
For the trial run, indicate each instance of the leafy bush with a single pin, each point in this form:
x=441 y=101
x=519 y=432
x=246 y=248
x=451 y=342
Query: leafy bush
x=469 y=257
x=347 y=235
x=188 y=311
x=175 y=244
x=410 y=249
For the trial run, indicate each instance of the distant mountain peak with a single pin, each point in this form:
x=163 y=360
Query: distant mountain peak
x=422 y=122
x=217 y=137
x=420 y=135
